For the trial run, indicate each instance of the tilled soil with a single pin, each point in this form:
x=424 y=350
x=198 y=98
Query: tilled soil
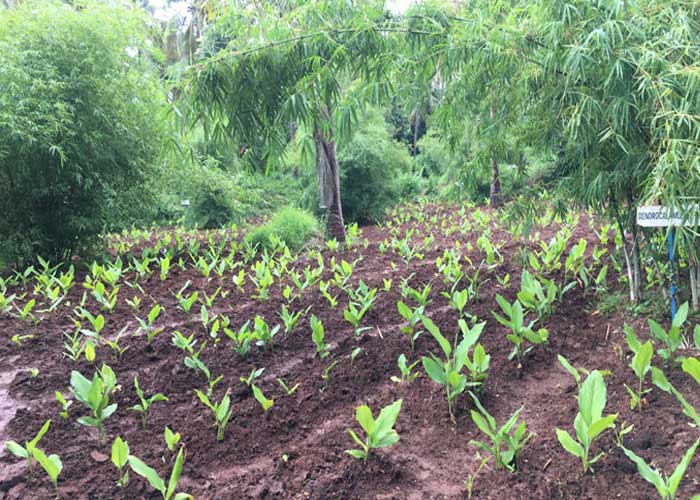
x=296 y=449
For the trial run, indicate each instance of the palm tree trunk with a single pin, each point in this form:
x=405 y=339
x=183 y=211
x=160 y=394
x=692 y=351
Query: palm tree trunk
x=329 y=182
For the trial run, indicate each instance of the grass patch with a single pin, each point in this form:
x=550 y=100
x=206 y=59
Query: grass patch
x=292 y=225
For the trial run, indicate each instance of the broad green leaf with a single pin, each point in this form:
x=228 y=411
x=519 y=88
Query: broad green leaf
x=120 y=452
x=600 y=425
x=691 y=366
x=592 y=397
x=51 y=464
x=642 y=359
x=569 y=444
x=387 y=418
x=148 y=473
x=16 y=449
x=435 y=370
x=364 y=417
x=435 y=332
x=44 y=428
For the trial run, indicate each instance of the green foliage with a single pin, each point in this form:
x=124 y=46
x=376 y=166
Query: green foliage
x=373 y=171
x=666 y=486
x=513 y=436
x=27 y=450
x=222 y=412
x=120 y=457
x=156 y=482
x=641 y=364
x=448 y=371
x=95 y=395
x=589 y=422
x=145 y=403
x=80 y=125
x=673 y=337
x=521 y=333
x=380 y=432
x=291 y=225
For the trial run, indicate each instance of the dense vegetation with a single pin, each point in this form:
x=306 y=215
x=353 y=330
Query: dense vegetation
x=366 y=167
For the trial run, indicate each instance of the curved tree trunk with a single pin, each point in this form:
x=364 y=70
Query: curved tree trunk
x=329 y=182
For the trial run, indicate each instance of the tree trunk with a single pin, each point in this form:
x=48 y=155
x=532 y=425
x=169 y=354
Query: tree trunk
x=329 y=183
x=633 y=263
x=416 y=121
x=495 y=198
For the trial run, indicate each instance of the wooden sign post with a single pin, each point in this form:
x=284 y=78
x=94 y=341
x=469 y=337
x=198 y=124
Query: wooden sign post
x=658 y=216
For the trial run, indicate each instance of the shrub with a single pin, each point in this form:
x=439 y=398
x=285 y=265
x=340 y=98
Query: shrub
x=213 y=198
x=370 y=165
x=80 y=125
x=292 y=225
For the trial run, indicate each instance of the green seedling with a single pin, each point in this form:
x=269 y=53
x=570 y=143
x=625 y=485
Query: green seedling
x=25 y=314
x=641 y=364
x=413 y=317
x=665 y=485
x=407 y=373
x=145 y=403
x=186 y=303
x=447 y=371
x=242 y=339
x=221 y=410
x=52 y=465
x=19 y=339
x=29 y=446
x=115 y=345
x=120 y=457
x=317 y=336
x=512 y=435
x=521 y=333
x=107 y=300
x=171 y=438
x=134 y=303
x=422 y=297
x=672 y=338
x=147 y=324
x=472 y=476
x=164 y=267
x=353 y=355
x=537 y=297
x=289 y=319
x=263 y=333
x=260 y=398
x=326 y=375
x=252 y=376
x=380 y=433
x=589 y=422
x=156 y=482
x=95 y=395
x=96 y=322
x=65 y=404
x=287 y=389
x=324 y=287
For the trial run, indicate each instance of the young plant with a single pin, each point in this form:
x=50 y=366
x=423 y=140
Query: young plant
x=186 y=303
x=145 y=403
x=641 y=364
x=665 y=485
x=535 y=297
x=380 y=432
x=242 y=339
x=95 y=395
x=120 y=457
x=26 y=451
x=65 y=404
x=156 y=482
x=171 y=438
x=221 y=410
x=290 y=320
x=520 y=333
x=52 y=465
x=263 y=332
x=413 y=316
x=254 y=374
x=471 y=476
x=448 y=371
x=511 y=434
x=407 y=373
x=147 y=324
x=354 y=315
x=324 y=287
x=589 y=422
x=672 y=338
x=317 y=336
x=287 y=389
x=260 y=398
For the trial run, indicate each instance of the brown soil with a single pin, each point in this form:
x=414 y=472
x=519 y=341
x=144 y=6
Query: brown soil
x=309 y=428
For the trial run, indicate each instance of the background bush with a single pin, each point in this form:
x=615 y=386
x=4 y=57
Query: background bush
x=80 y=126
x=292 y=225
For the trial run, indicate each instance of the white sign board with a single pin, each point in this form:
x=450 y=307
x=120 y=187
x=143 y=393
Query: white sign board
x=185 y=203
x=658 y=216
